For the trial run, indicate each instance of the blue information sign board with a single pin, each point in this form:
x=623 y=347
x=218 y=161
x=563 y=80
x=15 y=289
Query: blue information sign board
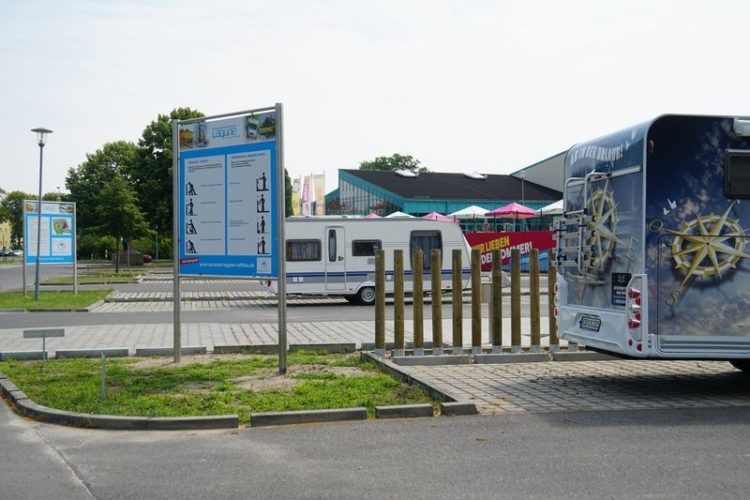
x=56 y=236
x=227 y=201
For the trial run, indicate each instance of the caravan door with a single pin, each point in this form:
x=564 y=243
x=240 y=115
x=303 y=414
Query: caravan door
x=335 y=258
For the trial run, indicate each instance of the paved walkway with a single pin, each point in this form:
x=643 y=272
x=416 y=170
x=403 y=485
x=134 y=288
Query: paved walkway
x=210 y=335
x=590 y=385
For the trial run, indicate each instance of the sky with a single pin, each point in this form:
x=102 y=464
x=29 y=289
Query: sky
x=469 y=86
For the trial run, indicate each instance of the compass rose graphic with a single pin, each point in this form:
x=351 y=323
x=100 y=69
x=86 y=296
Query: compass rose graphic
x=603 y=227
x=708 y=245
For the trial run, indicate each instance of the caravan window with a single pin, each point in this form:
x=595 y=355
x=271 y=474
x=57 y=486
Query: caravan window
x=302 y=250
x=737 y=174
x=331 y=245
x=427 y=241
x=366 y=248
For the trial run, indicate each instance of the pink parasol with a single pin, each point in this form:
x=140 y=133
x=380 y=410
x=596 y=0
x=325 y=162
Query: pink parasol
x=438 y=216
x=372 y=216
x=513 y=211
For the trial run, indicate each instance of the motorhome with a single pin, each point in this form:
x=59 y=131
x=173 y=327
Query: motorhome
x=336 y=255
x=652 y=250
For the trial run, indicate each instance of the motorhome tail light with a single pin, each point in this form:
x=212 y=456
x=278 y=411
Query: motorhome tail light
x=557 y=312
x=634 y=295
x=633 y=300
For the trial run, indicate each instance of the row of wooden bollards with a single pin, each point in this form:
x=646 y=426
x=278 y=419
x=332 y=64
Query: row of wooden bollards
x=496 y=303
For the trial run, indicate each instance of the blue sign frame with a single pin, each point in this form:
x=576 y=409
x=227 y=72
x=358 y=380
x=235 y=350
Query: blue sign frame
x=227 y=199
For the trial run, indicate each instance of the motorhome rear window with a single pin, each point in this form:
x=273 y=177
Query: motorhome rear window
x=302 y=250
x=427 y=241
x=737 y=174
x=366 y=248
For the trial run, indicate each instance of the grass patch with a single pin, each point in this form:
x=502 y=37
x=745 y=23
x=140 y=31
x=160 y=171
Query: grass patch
x=102 y=276
x=63 y=300
x=211 y=385
x=91 y=280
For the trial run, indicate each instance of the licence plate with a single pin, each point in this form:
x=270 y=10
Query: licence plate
x=590 y=322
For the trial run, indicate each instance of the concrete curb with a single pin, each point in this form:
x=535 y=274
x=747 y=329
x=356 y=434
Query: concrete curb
x=28 y=408
x=404 y=411
x=441 y=360
x=247 y=349
x=168 y=351
x=342 y=347
x=521 y=357
x=110 y=352
x=394 y=370
x=22 y=355
x=306 y=417
x=458 y=408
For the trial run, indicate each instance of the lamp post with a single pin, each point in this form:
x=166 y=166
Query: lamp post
x=41 y=135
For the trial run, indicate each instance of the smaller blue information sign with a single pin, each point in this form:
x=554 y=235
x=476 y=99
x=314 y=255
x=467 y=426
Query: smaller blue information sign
x=56 y=235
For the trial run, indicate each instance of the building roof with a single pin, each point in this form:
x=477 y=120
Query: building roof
x=441 y=186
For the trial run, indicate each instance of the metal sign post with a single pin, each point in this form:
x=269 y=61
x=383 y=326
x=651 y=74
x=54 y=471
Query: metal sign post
x=229 y=202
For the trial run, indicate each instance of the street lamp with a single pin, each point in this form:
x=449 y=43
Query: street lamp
x=41 y=135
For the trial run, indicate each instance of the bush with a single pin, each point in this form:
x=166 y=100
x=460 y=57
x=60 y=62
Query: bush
x=89 y=245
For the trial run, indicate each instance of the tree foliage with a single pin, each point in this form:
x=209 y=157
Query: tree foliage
x=151 y=173
x=86 y=183
x=118 y=213
x=287 y=194
x=393 y=163
x=11 y=210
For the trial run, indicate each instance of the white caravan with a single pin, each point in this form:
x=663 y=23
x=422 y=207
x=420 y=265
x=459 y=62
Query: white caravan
x=336 y=255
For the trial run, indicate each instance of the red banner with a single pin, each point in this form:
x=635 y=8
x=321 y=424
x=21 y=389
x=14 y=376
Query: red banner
x=505 y=242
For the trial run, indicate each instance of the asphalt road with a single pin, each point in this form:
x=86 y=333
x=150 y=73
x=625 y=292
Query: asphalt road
x=631 y=454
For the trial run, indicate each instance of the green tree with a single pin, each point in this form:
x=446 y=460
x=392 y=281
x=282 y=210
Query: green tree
x=393 y=163
x=287 y=193
x=87 y=182
x=118 y=214
x=151 y=173
x=11 y=210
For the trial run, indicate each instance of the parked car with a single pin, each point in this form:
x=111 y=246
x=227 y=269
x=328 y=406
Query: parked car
x=147 y=259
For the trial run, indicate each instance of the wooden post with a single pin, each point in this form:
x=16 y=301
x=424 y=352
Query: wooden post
x=436 y=266
x=496 y=311
x=534 y=294
x=418 y=293
x=515 y=300
x=554 y=340
x=380 y=303
x=476 y=302
x=458 y=303
x=398 y=302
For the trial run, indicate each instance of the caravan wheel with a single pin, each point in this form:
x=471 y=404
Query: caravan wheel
x=742 y=364
x=366 y=296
